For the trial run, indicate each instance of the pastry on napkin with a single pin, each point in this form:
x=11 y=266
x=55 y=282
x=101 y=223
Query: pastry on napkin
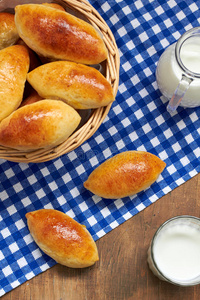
x=62 y=238
x=125 y=174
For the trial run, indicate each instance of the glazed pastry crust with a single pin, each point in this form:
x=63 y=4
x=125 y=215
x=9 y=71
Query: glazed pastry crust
x=42 y=124
x=14 y=65
x=62 y=238
x=59 y=35
x=34 y=60
x=8 y=30
x=125 y=174
x=32 y=98
x=54 y=5
x=80 y=86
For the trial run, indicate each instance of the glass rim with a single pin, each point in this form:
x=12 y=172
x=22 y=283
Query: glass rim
x=184 y=37
x=179 y=283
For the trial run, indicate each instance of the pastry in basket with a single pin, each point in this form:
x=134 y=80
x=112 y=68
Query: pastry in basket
x=42 y=124
x=62 y=238
x=59 y=35
x=125 y=174
x=34 y=59
x=14 y=65
x=32 y=98
x=54 y=5
x=80 y=86
x=8 y=30
x=34 y=63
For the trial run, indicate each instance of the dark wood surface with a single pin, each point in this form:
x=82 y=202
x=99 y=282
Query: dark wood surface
x=122 y=271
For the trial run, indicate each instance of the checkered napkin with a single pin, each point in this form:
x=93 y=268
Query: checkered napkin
x=138 y=120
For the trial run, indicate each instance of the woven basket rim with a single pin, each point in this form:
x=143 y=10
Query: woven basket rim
x=98 y=115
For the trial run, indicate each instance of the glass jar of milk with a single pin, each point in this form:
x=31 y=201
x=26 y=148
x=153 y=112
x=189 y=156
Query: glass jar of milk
x=174 y=253
x=178 y=71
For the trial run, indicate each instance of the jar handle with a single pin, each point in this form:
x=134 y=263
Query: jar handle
x=179 y=93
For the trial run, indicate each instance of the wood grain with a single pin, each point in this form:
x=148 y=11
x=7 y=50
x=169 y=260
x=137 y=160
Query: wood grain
x=122 y=272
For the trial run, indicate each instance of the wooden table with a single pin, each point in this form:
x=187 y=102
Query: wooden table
x=122 y=271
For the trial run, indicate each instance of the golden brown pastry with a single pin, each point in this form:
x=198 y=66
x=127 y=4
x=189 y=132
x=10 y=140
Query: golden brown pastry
x=80 y=86
x=62 y=238
x=34 y=63
x=34 y=60
x=43 y=124
x=125 y=174
x=32 y=98
x=14 y=65
x=8 y=30
x=54 y=5
x=59 y=35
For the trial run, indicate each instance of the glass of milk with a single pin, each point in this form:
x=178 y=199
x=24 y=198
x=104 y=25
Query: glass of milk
x=174 y=253
x=178 y=71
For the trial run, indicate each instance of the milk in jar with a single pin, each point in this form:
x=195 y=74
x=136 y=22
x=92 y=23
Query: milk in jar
x=178 y=60
x=174 y=254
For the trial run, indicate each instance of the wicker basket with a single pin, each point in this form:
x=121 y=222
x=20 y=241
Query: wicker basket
x=97 y=116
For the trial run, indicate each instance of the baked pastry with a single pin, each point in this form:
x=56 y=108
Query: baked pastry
x=54 y=5
x=34 y=59
x=14 y=65
x=80 y=86
x=8 y=30
x=34 y=63
x=32 y=98
x=62 y=238
x=125 y=174
x=59 y=35
x=43 y=124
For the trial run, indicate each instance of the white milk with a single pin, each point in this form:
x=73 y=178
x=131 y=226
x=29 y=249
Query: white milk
x=177 y=252
x=174 y=254
x=190 y=56
x=169 y=74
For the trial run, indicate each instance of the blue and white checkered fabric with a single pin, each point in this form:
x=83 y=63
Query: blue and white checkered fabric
x=138 y=120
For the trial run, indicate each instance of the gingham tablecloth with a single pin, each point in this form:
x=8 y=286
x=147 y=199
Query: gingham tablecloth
x=138 y=120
